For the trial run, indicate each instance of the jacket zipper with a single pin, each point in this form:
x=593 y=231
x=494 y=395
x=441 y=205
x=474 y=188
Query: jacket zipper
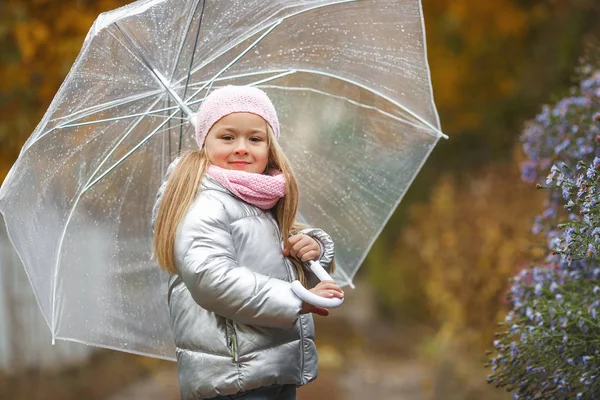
x=232 y=340
x=301 y=346
x=274 y=222
x=290 y=275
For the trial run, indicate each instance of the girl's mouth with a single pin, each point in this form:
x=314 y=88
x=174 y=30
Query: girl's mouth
x=239 y=164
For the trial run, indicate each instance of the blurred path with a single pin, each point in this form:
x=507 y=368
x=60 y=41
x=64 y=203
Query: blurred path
x=160 y=386
x=377 y=379
x=361 y=357
x=382 y=365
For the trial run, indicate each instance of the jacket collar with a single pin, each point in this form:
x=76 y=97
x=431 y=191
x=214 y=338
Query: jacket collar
x=209 y=183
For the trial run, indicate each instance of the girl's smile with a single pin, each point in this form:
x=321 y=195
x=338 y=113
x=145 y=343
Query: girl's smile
x=239 y=141
x=239 y=164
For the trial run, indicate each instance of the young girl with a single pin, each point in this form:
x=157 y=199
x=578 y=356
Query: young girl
x=220 y=221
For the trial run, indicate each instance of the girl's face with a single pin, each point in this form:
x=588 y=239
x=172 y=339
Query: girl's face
x=239 y=141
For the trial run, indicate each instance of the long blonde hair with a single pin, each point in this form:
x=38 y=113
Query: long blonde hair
x=182 y=188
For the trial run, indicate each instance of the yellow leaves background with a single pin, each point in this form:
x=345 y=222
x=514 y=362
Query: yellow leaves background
x=458 y=250
x=470 y=238
x=40 y=40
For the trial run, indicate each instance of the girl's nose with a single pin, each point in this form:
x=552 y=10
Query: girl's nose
x=241 y=148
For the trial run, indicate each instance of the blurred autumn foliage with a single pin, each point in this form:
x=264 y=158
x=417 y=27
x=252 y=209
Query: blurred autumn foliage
x=470 y=238
x=40 y=40
x=494 y=62
x=459 y=249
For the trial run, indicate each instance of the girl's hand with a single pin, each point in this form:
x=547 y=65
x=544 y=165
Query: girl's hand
x=327 y=289
x=302 y=247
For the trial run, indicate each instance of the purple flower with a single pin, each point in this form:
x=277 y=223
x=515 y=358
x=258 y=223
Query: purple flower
x=590 y=173
x=562 y=146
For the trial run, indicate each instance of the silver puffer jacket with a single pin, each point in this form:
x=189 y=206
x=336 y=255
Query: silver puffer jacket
x=235 y=319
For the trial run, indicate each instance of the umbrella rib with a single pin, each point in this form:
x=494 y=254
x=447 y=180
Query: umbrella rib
x=187 y=31
x=75 y=203
x=271 y=78
x=187 y=81
x=130 y=152
x=250 y=34
x=160 y=78
x=109 y=347
x=229 y=77
x=121 y=117
x=189 y=73
x=243 y=53
x=94 y=109
x=163 y=149
x=348 y=278
x=437 y=116
x=108 y=105
x=356 y=103
x=171 y=127
x=383 y=96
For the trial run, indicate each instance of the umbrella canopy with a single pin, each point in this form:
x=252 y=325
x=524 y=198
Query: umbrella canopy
x=350 y=82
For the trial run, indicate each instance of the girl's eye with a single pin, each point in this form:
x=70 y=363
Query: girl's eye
x=256 y=139
x=226 y=137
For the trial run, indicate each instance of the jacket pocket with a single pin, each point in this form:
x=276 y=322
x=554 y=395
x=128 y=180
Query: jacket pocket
x=232 y=339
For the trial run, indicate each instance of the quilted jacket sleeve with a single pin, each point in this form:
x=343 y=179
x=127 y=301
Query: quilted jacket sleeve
x=327 y=252
x=208 y=266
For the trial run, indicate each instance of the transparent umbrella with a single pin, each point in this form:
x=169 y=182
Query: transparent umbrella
x=350 y=82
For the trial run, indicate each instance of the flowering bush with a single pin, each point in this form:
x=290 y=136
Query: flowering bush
x=550 y=345
x=566 y=133
x=581 y=233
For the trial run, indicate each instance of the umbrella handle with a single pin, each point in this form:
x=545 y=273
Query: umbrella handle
x=312 y=298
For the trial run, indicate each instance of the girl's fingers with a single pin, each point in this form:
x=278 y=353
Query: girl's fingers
x=329 y=294
x=323 y=282
x=309 y=255
x=295 y=242
x=304 y=243
x=329 y=285
x=292 y=240
x=305 y=250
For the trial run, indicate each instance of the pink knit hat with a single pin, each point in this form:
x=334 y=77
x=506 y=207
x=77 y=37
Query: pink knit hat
x=233 y=99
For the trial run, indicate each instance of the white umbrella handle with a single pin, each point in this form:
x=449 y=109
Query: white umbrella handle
x=312 y=298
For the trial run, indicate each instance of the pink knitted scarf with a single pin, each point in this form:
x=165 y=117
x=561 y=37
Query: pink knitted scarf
x=260 y=190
